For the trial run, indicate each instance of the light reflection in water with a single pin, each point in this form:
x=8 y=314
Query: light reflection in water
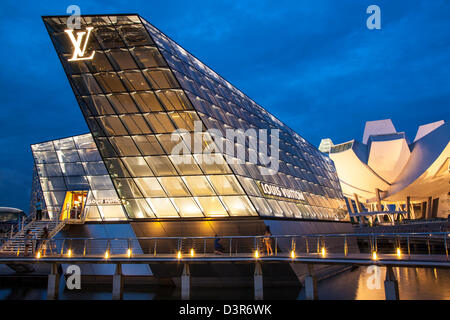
x=359 y=284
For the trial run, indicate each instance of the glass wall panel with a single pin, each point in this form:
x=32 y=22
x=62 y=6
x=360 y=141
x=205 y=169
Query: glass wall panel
x=212 y=207
x=51 y=170
x=161 y=165
x=276 y=209
x=125 y=146
x=174 y=186
x=249 y=186
x=123 y=103
x=239 y=206
x=212 y=163
x=160 y=122
x=148 y=57
x=112 y=125
x=150 y=187
x=116 y=168
x=92 y=213
x=126 y=188
x=162 y=207
x=147 y=101
x=262 y=206
x=199 y=185
x=111 y=212
x=138 y=208
x=68 y=156
x=225 y=185
x=148 y=145
x=89 y=155
x=137 y=167
x=185 y=164
x=187 y=207
x=135 y=124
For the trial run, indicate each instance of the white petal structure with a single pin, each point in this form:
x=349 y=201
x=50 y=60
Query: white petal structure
x=386 y=170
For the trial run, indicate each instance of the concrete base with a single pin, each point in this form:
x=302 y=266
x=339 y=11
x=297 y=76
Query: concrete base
x=53 y=283
x=311 y=284
x=258 y=282
x=391 y=285
x=117 y=291
x=186 y=283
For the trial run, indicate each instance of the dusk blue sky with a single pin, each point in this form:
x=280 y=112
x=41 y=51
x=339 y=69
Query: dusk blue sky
x=313 y=64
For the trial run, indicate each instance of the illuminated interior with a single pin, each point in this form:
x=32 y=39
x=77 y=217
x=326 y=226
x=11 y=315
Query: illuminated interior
x=73 y=206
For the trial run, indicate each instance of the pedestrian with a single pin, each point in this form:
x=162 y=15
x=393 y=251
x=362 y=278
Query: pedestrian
x=44 y=241
x=218 y=248
x=28 y=241
x=39 y=210
x=268 y=241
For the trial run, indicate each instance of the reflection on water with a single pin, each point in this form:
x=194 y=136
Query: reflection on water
x=359 y=284
x=362 y=284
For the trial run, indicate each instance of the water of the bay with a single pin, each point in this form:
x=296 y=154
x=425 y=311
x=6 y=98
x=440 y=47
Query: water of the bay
x=359 y=284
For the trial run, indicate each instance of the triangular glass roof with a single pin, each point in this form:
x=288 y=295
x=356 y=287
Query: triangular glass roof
x=140 y=86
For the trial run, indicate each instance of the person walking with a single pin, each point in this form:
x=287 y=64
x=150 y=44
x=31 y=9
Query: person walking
x=39 y=210
x=28 y=241
x=44 y=241
x=218 y=248
x=268 y=241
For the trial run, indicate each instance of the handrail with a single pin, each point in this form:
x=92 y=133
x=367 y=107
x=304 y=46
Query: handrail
x=402 y=244
x=311 y=235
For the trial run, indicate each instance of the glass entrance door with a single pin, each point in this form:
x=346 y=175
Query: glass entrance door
x=73 y=205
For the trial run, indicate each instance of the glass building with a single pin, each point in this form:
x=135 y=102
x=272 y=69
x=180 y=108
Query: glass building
x=73 y=167
x=143 y=96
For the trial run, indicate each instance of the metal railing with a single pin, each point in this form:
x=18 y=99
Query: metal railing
x=401 y=244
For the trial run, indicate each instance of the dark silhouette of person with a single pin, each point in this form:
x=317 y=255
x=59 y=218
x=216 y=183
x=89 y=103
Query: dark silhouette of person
x=218 y=248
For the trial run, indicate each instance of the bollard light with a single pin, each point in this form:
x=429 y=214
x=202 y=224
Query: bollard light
x=192 y=252
x=129 y=252
x=399 y=252
x=106 y=254
x=323 y=252
x=374 y=255
x=256 y=254
x=179 y=255
x=69 y=253
x=38 y=255
x=292 y=254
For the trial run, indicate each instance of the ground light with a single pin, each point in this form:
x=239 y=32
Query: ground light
x=323 y=252
x=106 y=254
x=38 y=255
x=179 y=255
x=256 y=254
x=374 y=255
x=129 y=252
x=192 y=252
x=399 y=252
x=293 y=254
x=69 y=253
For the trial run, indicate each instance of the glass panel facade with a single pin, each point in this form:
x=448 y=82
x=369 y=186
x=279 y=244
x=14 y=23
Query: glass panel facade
x=137 y=90
x=78 y=167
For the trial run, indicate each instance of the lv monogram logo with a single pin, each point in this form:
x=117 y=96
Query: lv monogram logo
x=78 y=53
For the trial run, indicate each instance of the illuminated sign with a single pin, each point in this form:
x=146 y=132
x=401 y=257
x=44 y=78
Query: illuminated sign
x=103 y=201
x=79 y=48
x=277 y=191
